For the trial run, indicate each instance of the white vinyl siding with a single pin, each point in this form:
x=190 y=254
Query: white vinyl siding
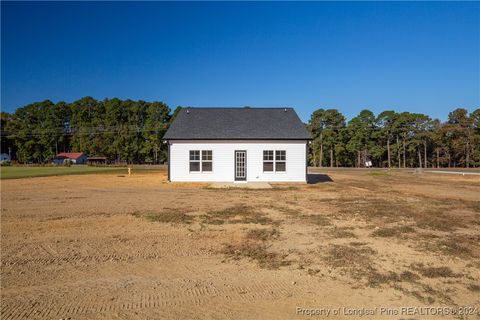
x=222 y=160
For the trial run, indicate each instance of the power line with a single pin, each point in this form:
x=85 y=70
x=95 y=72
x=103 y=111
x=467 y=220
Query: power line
x=82 y=131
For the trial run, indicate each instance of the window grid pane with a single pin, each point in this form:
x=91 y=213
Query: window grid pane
x=267 y=166
x=280 y=166
x=267 y=155
x=206 y=166
x=280 y=155
x=207 y=155
x=194 y=166
x=194 y=154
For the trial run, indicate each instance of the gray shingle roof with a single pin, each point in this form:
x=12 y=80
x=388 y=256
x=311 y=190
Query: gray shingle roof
x=237 y=123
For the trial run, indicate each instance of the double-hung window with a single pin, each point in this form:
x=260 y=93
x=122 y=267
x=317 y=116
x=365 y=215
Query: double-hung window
x=268 y=161
x=274 y=160
x=206 y=160
x=194 y=160
x=280 y=159
x=201 y=160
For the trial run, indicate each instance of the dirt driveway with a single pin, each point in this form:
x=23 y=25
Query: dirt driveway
x=109 y=246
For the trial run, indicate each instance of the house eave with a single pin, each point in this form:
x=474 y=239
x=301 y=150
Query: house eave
x=237 y=139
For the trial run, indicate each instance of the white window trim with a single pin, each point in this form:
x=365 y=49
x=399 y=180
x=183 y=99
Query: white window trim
x=200 y=163
x=275 y=161
x=201 y=160
x=274 y=171
x=197 y=161
x=272 y=161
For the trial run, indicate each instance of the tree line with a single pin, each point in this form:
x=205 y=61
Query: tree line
x=121 y=130
x=131 y=131
x=393 y=139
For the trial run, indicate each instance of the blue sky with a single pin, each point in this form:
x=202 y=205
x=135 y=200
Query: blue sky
x=407 y=56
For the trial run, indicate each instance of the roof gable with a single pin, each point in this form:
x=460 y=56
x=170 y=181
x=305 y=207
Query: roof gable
x=237 y=124
x=69 y=155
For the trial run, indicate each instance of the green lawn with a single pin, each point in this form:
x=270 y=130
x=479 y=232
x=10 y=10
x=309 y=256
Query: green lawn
x=27 y=172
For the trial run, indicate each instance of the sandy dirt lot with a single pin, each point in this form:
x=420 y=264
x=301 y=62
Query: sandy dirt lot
x=109 y=246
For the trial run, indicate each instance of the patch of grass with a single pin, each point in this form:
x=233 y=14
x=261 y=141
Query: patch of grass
x=473 y=264
x=288 y=211
x=38 y=171
x=454 y=247
x=175 y=216
x=434 y=272
x=313 y=272
x=343 y=256
x=427 y=236
x=370 y=207
x=429 y=298
x=315 y=219
x=442 y=295
x=437 y=222
x=263 y=234
x=427 y=213
x=409 y=276
x=375 y=278
x=475 y=222
x=283 y=188
x=357 y=260
x=378 y=173
x=207 y=219
x=255 y=252
x=392 y=232
x=357 y=243
x=474 y=205
x=236 y=214
x=473 y=287
x=420 y=297
x=337 y=232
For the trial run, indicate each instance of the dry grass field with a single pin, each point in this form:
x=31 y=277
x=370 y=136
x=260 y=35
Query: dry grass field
x=109 y=246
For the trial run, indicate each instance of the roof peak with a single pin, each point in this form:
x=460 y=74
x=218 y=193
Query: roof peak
x=281 y=123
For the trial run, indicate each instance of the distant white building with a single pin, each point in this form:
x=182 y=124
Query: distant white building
x=4 y=157
x=237 y=145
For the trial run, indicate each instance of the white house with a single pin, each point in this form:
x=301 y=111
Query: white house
x=237 y=145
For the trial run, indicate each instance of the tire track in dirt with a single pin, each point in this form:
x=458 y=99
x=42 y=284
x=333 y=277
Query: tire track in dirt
x=51 y=308
x=28 y=307
x=114 y=257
